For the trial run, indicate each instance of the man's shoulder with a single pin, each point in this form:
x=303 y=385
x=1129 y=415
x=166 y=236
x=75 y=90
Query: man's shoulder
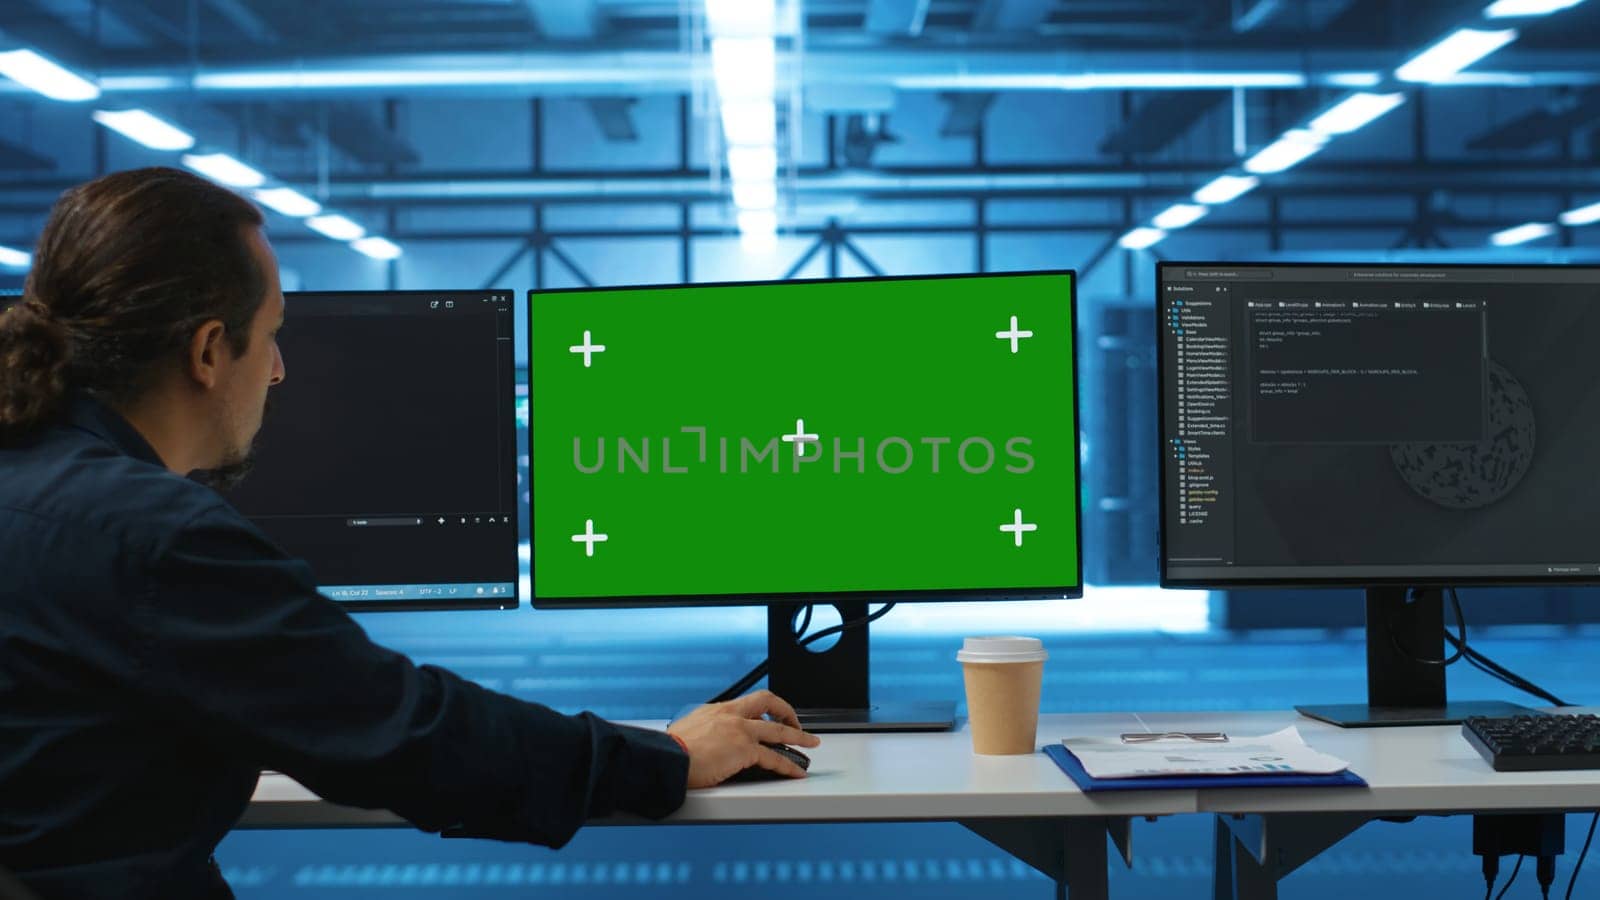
x=88 y=484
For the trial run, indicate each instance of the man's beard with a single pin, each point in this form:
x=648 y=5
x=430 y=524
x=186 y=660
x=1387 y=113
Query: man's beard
x=236 y=464
x=226 y=477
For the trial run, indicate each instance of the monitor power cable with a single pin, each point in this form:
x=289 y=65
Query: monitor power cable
x=1460 y=641
x=750 y=678
x=1474 y=658
x=1545 y=871
x=1573 y=879
x=1509 y=881
x=1484 y=664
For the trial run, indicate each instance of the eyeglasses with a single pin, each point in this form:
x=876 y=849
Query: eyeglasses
x=1204 y=737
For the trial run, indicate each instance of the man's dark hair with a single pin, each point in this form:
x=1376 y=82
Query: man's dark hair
x=127 y=268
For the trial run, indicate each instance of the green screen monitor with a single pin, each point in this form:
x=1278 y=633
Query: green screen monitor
x=786 y=443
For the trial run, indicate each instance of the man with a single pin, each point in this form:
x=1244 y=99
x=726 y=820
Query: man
x=157 y=651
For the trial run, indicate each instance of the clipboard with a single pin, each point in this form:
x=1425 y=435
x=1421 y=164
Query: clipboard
x=1089 y=784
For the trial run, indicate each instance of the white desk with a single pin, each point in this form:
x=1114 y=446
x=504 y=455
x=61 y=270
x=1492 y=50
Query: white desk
x=1026 y=806
x=1023 y=804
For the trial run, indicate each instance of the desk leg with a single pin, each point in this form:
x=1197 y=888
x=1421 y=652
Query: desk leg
x=1237 y=875
x=1071 y=851
x=1253 y=853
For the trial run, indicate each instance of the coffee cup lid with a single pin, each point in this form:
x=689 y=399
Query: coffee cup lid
x=1001 y=650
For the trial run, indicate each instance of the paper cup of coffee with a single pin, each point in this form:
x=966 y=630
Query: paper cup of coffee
x=1003 y=675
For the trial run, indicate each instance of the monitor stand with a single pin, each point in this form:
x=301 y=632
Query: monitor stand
x=829 y=689
x=1401 y=690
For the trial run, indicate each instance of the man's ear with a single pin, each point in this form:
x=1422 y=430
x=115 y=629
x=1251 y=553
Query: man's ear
x=206 y=350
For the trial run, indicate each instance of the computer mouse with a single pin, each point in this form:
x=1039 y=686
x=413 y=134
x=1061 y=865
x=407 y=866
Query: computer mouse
x=757 y=773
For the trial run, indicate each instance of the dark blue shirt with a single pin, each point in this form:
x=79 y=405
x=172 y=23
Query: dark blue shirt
x=157 y=651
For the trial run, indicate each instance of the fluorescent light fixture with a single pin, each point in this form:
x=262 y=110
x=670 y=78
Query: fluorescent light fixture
x=566 y=78
x=377 y=247
x=1097 y=81
x=15 y=259
x=758 y=231
x=755 y=194
x=496 y=76
x=750 y=122
x=1179 y=215
x=1506 y=9
x=1225 y=188
x=288 y=201
x=758 y=220
x=337 y=227
x=1353 y=79
x=744 y=68
x=39 y=74
x=1522 y=234
x=336 y=79
x=1257 y=13
x=224 y=168
x=1583 y=215
x=1141 y=238
x=1461 y=49
x=1355 y=112
x=1180 y=80
x=138 y=125
x=753 y=163
x=741 y=18
x=1296 y=145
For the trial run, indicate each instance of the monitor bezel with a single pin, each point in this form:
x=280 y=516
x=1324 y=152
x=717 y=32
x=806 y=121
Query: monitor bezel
x=470 y=604
x=1166 y=580
x=808 y=598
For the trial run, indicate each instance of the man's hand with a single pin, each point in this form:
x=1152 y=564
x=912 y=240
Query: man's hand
x=725 y=738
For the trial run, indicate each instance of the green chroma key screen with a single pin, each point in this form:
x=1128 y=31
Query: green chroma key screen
x=727 y=443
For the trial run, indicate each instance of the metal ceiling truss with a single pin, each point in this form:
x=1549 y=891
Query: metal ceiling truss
x=1381 y=177
x=966 y=49
x=223 y=29
x=1005 y=66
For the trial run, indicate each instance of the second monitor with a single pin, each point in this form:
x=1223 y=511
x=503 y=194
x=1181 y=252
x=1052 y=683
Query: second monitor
x=388 y=454
x=1383 y=426
x=796 y=442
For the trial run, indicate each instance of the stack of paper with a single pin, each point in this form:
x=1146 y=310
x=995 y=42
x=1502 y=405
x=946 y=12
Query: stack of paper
x=1280 y=753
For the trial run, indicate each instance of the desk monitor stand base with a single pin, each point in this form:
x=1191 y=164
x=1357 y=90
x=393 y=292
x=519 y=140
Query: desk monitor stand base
x=881 y=717
x=829 y=687
x=1405 y=677
x=1362 y=715
x=902 y=717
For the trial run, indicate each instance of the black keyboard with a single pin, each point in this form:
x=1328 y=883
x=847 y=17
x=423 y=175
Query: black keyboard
x=1536 y=743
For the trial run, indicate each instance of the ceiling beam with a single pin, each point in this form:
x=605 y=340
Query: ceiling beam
x=1287 y=15
x=899 y=67
x=66 y=29
x=566 y=20
x=819 y=226
x=1555 y=121
x=1011 y=15
x=141 y=17
x=246 y=21
x=358 y=132
x=1248 y=15
x=964 y=113
x=896 y=18
x=1158 y=121
x=965 y=117
x=17 y=158
x=1374 y=177
x=614 y=117
x=515 y=187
